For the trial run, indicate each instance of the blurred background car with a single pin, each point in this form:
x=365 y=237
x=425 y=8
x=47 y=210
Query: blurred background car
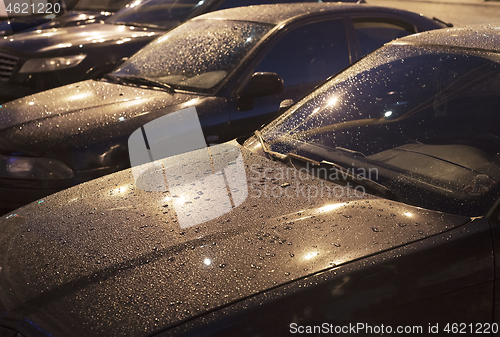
x=111 y=257
x=84 y=12
x=43 y=59
x=230 y=65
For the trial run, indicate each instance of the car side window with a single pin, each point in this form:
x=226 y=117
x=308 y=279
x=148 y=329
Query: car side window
x=373 y=34
x=308 y=54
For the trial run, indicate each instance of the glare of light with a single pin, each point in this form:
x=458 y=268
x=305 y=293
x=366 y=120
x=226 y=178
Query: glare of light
x=64 y=45
x=304 y=217
x=121 y=119
x=388 y=113
x=79 y=96
x=309 y=256
x=408 y=214
x=167 y=199
x=135 y=3
x=200 y=3
x=38 y=31
x=163 y=38
x=315 y=111
x=207 y=261
x=31 y=103
x=331 y=207
x=121 y=189
x=333 y=101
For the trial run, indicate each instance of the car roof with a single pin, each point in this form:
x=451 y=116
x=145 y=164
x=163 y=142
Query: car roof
x=485 y=37
x=277 y=13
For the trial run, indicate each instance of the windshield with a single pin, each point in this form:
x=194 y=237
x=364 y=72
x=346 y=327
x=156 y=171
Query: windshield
x=197 y=55
x=162 y=13
x=426 y=121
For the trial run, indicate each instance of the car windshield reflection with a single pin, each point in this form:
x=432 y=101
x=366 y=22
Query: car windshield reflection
x=428 y=129
x=223 y=45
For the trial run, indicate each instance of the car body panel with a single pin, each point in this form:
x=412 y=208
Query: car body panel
x=111 y=43
x=399 y=289
x=71 y=18
x=90 y=286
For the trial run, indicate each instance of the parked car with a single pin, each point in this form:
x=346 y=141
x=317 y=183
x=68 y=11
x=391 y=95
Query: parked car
x=83 y=12
x=416 y=123
x=44 y=59
x=230 y=65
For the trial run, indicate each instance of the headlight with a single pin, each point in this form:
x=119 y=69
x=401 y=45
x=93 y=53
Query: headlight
x=51 y=63
x=33 y=168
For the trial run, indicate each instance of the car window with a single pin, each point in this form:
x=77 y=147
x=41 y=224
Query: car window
x=373 y=34
x=173 y=58
x=430 y=117
x=309 y=53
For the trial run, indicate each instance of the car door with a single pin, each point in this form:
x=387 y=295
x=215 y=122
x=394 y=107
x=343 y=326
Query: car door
x=303 y=57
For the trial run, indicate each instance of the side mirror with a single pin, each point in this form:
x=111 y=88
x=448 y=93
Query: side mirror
x=285 y=104
x=263 y=84
x=260 y=84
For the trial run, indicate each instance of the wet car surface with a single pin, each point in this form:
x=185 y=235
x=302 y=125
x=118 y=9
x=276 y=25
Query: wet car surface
x=251 y=237
x=49 y=57
x=84 y=12
x=235 y=87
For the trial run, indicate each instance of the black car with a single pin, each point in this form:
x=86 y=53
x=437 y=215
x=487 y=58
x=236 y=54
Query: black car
x=84 y=12
x=277 y=234
x=230 y=65
x=43 y=59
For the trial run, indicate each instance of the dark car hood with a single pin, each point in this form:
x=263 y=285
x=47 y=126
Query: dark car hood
x=74 y=38
x=109 y=258
x=36 y=123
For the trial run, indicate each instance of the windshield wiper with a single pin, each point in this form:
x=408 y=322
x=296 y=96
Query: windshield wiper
x=345 y=172
x=285 y=158
x=353 y=152
x=143 y=81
